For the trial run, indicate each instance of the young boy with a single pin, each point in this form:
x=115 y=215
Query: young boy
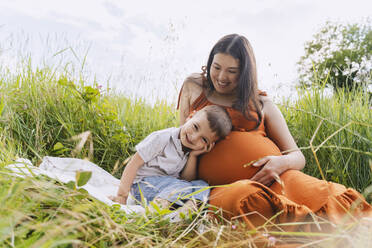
x=164 y=166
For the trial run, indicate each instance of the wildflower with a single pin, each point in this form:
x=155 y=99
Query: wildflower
x=233 y=227
x=99 y=86
x=272 y=241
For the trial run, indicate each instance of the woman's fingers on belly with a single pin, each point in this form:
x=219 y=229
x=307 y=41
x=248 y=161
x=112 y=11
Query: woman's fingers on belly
x=260 y=174
x=261 y=161
x=266 y=175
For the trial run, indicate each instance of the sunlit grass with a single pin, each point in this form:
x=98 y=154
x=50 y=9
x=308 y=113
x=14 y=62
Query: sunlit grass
x=43 y=109
x=344 y=138
x=38 y=212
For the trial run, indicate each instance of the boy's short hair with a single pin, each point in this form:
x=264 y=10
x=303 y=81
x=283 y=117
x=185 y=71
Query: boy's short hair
x=218 y=119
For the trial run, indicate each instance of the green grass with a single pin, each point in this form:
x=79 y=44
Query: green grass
x=38 y=212
x=343 y=141
x=43 y=213
x=42 y=110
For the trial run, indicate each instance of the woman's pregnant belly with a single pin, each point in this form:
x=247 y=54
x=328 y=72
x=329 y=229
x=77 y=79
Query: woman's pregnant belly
x=226 y=162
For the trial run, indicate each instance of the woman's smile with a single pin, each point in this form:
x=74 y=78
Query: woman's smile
x=224 y=73
x=223 y=84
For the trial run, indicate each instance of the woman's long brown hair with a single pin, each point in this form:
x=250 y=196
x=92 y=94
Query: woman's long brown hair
x=239 y=47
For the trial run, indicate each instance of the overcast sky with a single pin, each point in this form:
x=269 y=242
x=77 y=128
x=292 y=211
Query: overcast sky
x=147 y=48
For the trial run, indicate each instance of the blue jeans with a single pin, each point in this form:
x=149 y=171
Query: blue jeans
x=170 y=188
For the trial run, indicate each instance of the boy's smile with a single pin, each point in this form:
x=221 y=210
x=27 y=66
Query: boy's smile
x=196 y=134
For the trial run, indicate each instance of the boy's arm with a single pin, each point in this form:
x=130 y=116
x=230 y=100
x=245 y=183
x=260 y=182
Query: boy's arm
x=127 y=178
x=189 y=172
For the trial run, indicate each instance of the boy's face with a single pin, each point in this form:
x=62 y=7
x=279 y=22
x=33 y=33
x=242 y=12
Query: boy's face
x=196 y=134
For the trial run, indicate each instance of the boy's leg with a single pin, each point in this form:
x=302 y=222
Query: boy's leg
x=203 y=190
x=161 y=203
x=162 y=190
x=174 y=190
x=150 y=188
x=200 y=193
x=143 y=191
x=165 y=190
x=189 y=206
x=187 y=209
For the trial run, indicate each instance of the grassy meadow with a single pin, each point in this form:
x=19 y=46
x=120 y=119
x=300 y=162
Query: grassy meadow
x=44 y=111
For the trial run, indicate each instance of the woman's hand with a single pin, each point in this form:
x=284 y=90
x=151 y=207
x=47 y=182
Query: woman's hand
x=273 y=166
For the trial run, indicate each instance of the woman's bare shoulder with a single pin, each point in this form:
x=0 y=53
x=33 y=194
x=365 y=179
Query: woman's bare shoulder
x=265 y=99
x=194 y=80
x=193 y=85
x=268 y=104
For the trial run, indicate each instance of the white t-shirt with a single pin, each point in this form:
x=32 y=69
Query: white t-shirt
x=162 y=153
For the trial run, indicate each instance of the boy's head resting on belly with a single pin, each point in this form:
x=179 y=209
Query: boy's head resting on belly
x=205 y=127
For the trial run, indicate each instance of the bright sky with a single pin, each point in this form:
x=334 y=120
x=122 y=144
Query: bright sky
x=147 y=48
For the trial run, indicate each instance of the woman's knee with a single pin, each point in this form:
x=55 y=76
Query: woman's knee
x=244 y=197
x=233 y=194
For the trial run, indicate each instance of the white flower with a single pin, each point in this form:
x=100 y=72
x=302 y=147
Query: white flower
x=272 y=241
x=354 y=65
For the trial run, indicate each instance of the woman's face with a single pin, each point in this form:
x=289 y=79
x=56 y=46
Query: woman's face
x=224 y=73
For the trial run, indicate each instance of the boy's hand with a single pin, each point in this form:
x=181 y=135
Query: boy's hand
x=119 y=199
x=204 y=149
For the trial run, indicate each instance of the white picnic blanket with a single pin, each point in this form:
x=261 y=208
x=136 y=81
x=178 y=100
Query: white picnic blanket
x=101 y=185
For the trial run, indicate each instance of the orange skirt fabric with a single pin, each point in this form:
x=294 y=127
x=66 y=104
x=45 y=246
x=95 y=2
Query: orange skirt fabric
x=297 y=202
x=299 y=198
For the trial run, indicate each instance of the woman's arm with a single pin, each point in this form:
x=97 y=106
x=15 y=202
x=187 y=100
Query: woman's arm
x=277 y=130
x=191 y=89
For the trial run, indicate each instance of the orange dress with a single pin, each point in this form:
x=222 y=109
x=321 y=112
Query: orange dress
x=295 y=200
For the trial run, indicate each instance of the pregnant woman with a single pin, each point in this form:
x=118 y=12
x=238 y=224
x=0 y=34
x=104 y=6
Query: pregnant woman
x=259 y=159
